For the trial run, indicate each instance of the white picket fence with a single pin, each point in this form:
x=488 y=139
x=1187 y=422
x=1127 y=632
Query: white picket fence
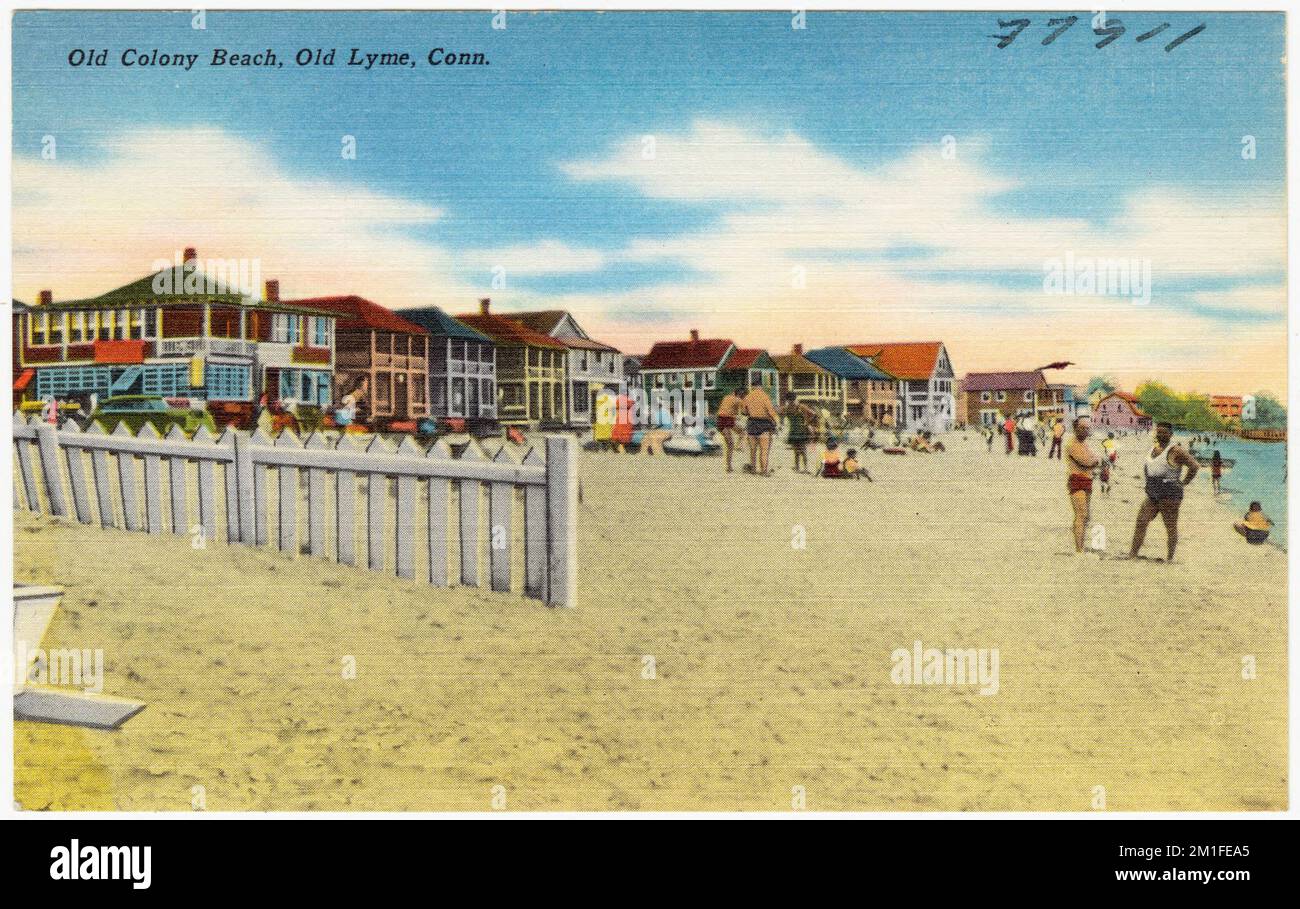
x=549 y=497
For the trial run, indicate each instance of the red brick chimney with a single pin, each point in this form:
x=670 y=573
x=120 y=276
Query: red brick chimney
x=484 y=305
x=695 y=335
x=798 y=350
x=191 y=254
x=272 y=291
x=46 y=298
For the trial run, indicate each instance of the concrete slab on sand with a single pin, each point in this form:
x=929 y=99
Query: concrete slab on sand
x=73 y=709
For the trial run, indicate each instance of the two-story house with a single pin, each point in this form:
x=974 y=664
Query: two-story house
x=805 y=382
x=744 y=367
x=592 y=365
x=180 y=335
x=380 y=358
x=1120 y=410
x=686 y=373
x=926 y=384
x=869 y=393
x=531 y=370
x=988 y=398
x=462 y=370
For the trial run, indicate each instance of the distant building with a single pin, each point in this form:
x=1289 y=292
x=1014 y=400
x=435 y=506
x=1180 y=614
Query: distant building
x=531 y=368
x=462 y=368
x=1227 y=407
x=592 y=365
x=690 y=368
x=869 y=393
x=380 y=354
x=988 y=398
x=806 y=382
x=1120 y=410
x=745 y=366
x=926 y=383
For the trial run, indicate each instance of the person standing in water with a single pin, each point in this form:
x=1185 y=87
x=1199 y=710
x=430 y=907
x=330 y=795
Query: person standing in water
x=1079 y=464
x=727 y=411
x=1164 y=488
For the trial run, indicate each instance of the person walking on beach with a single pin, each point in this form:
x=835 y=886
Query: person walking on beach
x=1216 y=471
x=1058 y=434
x=727 y=411
x=988 y=438
x=1164 y=488
x=760 y=422
x=1009 y=429
x=1079 y=464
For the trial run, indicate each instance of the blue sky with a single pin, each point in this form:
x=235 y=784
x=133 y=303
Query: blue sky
x=523 y=154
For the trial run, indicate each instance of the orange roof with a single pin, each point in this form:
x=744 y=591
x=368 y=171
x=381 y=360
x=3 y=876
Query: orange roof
x=903 y=360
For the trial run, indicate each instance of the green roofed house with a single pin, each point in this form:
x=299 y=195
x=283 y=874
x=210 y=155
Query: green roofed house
x=462 y=368
x=183 y=333
x=743 y=367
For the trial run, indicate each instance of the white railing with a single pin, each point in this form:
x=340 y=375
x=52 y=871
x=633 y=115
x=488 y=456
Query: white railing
x=188 y=347
x=549 y=496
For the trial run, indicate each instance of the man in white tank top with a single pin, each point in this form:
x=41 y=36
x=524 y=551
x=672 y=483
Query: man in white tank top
x=1163 y=469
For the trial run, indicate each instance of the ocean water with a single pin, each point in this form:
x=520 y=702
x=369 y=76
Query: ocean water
x=1258 y=476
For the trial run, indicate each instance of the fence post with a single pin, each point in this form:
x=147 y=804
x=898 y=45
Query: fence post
x=47 y=441
x=561 y=522
x=244 y=486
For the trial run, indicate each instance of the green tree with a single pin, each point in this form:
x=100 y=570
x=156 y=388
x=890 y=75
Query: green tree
x=1185 y=410
x=1269 y=413
x=1104 y=384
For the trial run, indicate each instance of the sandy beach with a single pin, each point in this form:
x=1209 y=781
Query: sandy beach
x=771 y=663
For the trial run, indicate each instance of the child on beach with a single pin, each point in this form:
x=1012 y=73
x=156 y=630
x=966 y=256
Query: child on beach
x=1108 y=446
x=801 y=422
x=1254 y=526
x=853 y=470
x=831 y=460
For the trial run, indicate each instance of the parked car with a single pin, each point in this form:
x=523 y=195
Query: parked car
x=137 y=410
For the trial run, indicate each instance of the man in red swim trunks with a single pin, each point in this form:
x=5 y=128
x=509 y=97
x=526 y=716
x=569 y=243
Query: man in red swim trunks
x=1079 y=464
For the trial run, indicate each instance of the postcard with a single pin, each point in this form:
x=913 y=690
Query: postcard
x=656 y=411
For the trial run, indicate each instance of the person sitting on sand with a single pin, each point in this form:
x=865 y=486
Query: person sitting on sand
x=1079 y=464
x=1254 y=526
x=853 y=469
x=831 y=460
x=801 y=421
x=760 y=422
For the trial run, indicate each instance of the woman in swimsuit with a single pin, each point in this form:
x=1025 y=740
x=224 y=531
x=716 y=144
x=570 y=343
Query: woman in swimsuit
x=1164 y=487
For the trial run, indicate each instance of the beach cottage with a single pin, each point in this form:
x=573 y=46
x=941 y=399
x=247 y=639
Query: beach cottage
x=462 y=370
x=381 y=359
x=988 y=398
x=1228 y=408
x=592 y=366
x=742 y=368
x=1120 y=410
x=869 y=393
x=804 y=381
x=685 y=369
x=180 y=334
x=531 y=370
x=926 y=384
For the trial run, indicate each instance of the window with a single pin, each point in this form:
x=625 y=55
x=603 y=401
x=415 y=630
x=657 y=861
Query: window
x=120 y=329
x=77 y=327
x=73 y=380
x=417 y=390
x=1002 y=396
x=710 y=380
x=322 y=338
x=56 y=328
x=284 y=328
x=985 y=397
x=151 y=323
x=171 y=380
x=39 y=326
x=228 y=383
x=136 y=317
x=1029 y=396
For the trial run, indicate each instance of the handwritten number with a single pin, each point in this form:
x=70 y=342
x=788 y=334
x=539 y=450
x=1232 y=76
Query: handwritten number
x=1064 y=23
x=1113 y=29
x=1151 y=34
x=1181 y=38
x=1019 y=24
